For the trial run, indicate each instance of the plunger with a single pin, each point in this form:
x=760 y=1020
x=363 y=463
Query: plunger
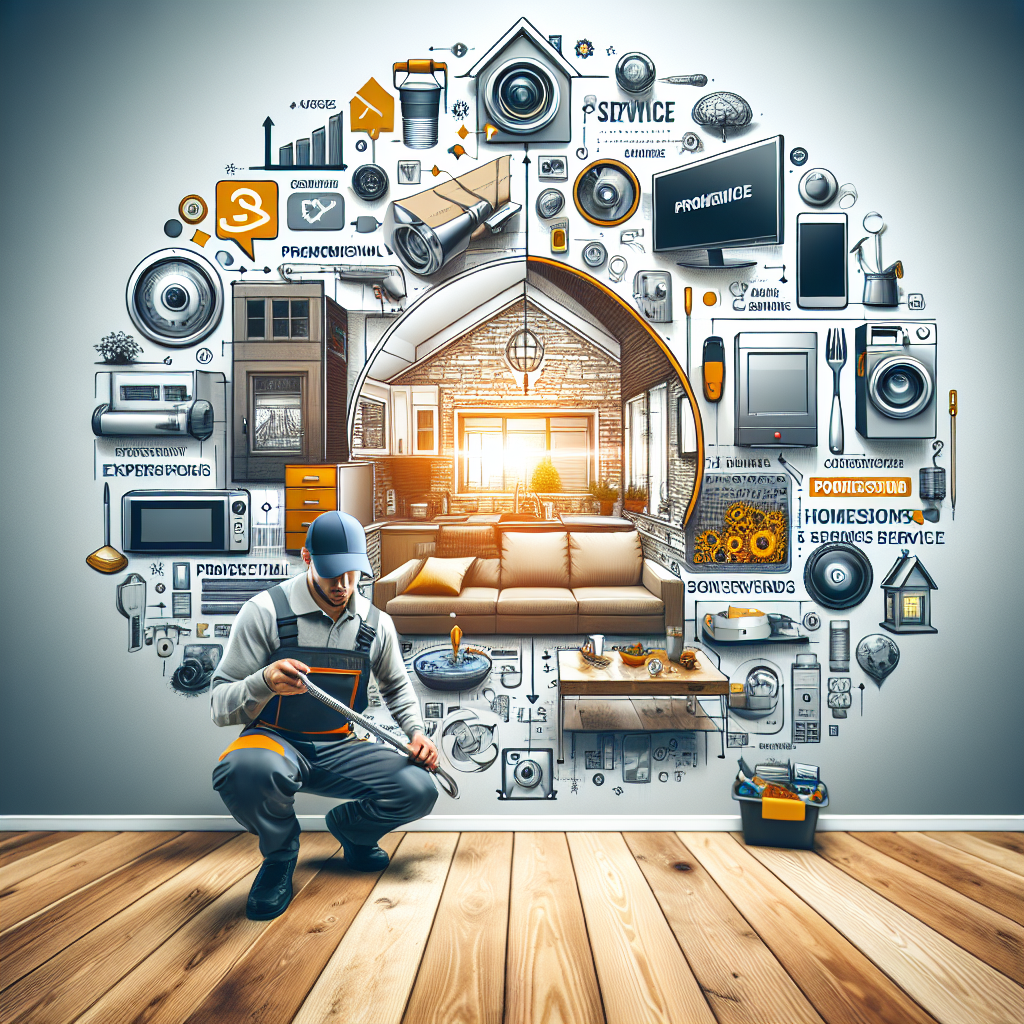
x=106 y=559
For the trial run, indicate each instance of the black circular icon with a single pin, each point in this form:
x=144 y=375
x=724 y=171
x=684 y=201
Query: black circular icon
x=798 y=156
x=172 y=228
x=204 y=355
x=598 y=779
x=370 y=181
x=838 y=575
x=361 y=146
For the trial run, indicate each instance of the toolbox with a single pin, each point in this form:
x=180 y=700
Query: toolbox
x=775 y=822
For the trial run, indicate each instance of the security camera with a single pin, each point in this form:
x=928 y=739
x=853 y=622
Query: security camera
x=429 y=229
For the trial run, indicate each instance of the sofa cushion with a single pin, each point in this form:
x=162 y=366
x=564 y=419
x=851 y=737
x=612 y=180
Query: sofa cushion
x=441 y=576
x=472 y=601
x=458 y=540
x=536 y=601
x=617 y=601
x=534 y=560
x=484 y=572
x=605 y=559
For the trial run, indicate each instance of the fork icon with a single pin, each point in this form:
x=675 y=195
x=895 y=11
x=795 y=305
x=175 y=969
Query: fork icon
x=835 y=356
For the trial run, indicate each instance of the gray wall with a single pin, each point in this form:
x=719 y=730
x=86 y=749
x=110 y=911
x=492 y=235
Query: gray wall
x=113 y=111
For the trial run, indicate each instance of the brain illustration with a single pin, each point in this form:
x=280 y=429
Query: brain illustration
x=722 y=110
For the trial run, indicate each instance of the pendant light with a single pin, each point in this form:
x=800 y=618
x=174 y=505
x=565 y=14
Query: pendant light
x=524 y=350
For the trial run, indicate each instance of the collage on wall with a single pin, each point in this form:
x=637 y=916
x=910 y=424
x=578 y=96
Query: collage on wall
x=549 y=319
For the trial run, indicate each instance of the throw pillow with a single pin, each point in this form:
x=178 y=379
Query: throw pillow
x=440 y=576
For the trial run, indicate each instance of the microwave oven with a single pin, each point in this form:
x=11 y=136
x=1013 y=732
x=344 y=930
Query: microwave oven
x=776 y=389
x=186 y=522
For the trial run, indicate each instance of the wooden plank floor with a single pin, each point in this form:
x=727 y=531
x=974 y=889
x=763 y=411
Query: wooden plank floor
x=524 y=928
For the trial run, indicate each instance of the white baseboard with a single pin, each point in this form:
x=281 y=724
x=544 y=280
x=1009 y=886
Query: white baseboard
x=523 y=823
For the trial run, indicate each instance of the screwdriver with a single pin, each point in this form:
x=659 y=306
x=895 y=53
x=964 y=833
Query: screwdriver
x=952 y=445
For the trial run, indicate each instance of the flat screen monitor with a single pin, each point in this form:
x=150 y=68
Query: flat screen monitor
x=725 y=201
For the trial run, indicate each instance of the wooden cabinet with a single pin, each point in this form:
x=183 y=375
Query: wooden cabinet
x=312 y=490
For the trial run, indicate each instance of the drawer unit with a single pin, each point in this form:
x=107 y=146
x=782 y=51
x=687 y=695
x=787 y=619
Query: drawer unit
x=311 y=476
x=322 y=498
x=311 y=490
x=298 y=520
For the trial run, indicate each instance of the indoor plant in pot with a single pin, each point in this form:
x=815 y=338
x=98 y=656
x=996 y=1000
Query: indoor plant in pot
x=635 y=498
x=606 y=494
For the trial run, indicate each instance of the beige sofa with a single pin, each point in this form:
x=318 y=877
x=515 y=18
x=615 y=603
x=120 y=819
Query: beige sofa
x=538 y=582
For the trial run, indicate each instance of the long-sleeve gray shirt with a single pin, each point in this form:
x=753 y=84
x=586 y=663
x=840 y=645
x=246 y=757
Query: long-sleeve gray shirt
x=238 y=691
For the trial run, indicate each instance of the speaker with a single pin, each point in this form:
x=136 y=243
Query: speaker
x=175 y=297
x=606 y=192
x=838 y=575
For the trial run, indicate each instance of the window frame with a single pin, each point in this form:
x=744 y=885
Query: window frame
x=461 y=453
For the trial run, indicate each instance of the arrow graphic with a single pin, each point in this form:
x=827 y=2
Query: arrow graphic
x=532 y=696
x=267 y=125
x=526 y=201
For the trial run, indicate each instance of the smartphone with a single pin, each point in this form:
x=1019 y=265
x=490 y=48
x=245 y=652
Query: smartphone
x=821 y=244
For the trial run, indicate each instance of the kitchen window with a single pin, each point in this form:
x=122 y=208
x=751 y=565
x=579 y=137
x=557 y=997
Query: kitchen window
x=646 y=444
x=499 y=450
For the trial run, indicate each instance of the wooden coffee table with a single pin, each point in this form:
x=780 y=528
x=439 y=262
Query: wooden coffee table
x=620 y=698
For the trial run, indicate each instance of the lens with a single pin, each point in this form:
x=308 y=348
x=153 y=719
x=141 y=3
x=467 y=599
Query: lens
x=527 y=774
x=415 y=250
x=175 y=297
x=900 y=387
x=606 y=195
x=521 y=96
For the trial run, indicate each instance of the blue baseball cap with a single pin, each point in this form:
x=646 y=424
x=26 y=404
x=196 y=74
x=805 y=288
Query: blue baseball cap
x=337 y=543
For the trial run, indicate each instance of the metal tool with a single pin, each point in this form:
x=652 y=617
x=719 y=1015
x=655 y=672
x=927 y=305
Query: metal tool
x=835 y=356
x=688 y=306
x=447 y=783
x=106 y=559
x=131 y=603
x=952 y=451
x=390 y=278
x=698 y=80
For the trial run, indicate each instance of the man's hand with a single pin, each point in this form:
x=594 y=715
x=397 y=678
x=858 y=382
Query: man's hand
x=283 y=676
x=422 y=750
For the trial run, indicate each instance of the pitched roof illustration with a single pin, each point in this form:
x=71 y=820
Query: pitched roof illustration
x=902 y=569
x=522 y=28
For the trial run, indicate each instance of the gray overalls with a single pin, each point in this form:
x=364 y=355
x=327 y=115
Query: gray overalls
x=298 y=743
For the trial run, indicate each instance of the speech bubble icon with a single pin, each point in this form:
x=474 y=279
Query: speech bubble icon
x=372 y=110
x=246 y=210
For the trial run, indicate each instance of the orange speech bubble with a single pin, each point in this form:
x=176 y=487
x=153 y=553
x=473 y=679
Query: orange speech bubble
x=372 y=110
x=246 y=210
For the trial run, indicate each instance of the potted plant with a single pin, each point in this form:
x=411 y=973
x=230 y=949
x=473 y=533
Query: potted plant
x=545 y=479
x=635 y=499
x=606 y=494
x=119 y=348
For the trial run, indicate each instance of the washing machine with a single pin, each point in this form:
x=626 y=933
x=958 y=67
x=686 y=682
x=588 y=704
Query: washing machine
x=896 y=383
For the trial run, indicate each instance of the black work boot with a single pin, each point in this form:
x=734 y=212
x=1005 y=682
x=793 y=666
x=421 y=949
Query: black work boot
x=271 y=890
x=359 y=858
